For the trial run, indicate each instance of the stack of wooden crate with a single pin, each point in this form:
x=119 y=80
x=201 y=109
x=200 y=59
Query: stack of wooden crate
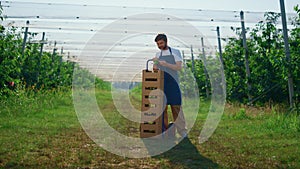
x=152 y=103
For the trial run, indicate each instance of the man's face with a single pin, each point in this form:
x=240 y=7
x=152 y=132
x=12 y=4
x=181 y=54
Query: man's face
x=161 y=44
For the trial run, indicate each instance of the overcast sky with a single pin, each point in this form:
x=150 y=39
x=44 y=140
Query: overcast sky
x=250 y=5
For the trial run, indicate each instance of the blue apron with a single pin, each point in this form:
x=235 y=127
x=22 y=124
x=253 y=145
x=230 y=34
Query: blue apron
x=171 y=81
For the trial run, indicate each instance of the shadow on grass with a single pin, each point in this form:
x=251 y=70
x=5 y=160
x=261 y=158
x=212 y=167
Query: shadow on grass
x=186 y=155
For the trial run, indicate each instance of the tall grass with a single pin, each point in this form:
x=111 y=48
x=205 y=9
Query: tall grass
x=283 y=122
x=278 y=118
x=27 y=101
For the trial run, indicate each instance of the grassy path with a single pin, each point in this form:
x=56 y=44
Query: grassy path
x=42 y=131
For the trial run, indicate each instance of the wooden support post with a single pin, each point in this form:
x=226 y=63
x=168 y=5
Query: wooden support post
x=248 y=74
x=25 y=38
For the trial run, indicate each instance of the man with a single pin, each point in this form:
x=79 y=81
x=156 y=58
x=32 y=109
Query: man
x=170 y=61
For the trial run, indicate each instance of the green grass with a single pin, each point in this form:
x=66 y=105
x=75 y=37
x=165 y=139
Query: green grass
x=41 y=130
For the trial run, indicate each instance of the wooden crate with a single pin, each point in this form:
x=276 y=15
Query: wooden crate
x=152 y=104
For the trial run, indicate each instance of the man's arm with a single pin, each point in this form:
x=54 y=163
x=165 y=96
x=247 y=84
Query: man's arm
x=177 y=66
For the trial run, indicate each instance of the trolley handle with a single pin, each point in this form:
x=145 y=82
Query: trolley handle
x=147 y=64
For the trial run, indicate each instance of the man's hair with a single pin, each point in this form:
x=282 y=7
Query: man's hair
x=161 y=37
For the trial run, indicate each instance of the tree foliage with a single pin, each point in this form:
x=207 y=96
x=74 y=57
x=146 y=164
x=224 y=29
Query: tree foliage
x=268 y=64
x=33 y=69
x=267 y=59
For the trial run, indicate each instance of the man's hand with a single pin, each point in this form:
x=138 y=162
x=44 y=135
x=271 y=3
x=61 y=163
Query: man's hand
x=155 y=65
x=163 y=63
x=177 y=66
